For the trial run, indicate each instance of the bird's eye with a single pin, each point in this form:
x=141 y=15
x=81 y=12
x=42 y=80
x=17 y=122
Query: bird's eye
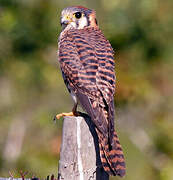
x=78 y=15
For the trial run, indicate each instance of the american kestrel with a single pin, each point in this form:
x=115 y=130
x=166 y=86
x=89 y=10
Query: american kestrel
x=87 y=63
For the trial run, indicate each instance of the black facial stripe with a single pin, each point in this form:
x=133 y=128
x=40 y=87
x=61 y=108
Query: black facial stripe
x=77 y=24
x=96 y=21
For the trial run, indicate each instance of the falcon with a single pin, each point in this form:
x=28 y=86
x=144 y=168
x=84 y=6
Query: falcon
x=86 y=60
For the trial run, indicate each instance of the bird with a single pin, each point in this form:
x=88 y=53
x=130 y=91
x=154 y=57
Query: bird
x=86 y=60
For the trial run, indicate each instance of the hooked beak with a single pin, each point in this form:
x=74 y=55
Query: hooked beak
x=65 y=20
x=64 y=24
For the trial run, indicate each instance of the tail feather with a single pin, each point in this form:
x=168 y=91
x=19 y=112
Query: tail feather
x=104 y=160
x=112 y=157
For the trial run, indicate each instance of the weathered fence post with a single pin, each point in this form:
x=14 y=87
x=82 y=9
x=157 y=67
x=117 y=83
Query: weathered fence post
x=79 y=156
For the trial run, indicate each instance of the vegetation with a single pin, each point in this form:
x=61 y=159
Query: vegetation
x=32 y=90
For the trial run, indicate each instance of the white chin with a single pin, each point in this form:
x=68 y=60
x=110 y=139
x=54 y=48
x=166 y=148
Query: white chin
x=72 y=25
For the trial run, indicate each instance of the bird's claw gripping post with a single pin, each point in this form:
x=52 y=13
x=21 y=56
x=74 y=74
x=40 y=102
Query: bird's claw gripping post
x=58 y=116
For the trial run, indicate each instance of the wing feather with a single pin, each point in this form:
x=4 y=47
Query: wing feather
x=86 y=59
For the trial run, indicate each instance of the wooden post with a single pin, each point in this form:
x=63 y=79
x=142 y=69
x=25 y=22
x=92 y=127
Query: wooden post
x=79 y=156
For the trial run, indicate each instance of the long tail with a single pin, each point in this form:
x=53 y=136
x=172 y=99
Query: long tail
x=112 y=157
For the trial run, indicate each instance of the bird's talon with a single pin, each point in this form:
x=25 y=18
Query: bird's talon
x=58 y=116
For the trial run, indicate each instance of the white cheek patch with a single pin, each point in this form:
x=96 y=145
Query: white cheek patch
x=73 y=24
x=82 y=23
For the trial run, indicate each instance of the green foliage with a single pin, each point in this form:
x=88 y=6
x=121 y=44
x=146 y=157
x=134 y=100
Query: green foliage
x=32 y=90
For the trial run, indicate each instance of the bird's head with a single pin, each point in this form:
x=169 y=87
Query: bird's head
x=78 y=17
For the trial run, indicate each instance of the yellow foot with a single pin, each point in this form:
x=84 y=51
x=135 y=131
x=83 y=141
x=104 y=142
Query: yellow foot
x=58 y=116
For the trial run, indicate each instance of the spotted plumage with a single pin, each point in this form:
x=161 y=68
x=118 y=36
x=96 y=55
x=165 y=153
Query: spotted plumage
x=87 y=64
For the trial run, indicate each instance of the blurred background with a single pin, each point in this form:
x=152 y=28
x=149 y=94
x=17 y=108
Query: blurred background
x=32 y=90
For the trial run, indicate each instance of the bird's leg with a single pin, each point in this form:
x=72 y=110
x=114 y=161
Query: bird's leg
x=73 y=113
x=74 y=110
